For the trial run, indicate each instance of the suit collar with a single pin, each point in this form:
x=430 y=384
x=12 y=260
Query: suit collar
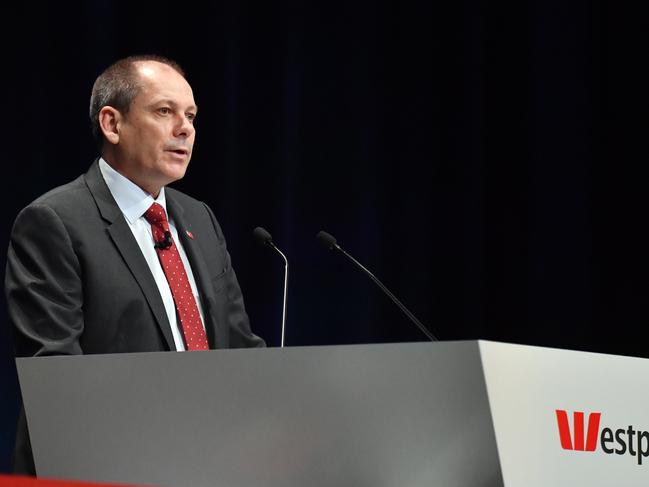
x=132 y=200
x=105 y=202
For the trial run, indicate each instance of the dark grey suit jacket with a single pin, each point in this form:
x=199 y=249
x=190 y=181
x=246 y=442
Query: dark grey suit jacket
x=77 y=282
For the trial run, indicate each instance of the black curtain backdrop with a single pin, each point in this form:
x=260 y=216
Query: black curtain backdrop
x=487 y=160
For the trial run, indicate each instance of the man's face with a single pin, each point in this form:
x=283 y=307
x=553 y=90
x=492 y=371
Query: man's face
x=156 y=136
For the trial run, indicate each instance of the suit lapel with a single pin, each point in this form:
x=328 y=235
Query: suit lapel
x=129 y=249
x=199 y=268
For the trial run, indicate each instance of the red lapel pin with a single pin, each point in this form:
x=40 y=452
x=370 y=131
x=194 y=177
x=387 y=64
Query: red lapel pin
x=189 y=234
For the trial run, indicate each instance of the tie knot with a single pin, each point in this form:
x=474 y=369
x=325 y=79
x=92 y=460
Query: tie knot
x=156 y=215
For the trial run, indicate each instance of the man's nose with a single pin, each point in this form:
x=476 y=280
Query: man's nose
x=184 y=127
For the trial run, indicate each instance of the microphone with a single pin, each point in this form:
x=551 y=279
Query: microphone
x=164 y=244
x=329 y=241
x=263 y=238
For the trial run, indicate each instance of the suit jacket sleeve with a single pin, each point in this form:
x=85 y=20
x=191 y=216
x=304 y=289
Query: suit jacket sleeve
x=238 y=324
x=43 y=285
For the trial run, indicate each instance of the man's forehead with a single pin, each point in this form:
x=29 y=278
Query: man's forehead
x=152 y=68
x=153 y=73
x=157 y=95
x=160 y=82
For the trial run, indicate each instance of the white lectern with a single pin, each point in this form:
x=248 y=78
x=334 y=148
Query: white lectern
x=449 y=414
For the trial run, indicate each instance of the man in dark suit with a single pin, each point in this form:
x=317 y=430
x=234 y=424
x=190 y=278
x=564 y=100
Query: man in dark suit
x=115 y=261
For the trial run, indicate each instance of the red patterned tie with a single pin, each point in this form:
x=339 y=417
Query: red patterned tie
x=186 y=308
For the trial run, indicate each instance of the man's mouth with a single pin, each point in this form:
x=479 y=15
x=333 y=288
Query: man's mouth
x=182 y=152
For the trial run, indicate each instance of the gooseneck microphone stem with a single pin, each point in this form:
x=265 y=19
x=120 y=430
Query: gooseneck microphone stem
x=330 y=242
x=285 y=290
x=390 y=295
x=263 y=238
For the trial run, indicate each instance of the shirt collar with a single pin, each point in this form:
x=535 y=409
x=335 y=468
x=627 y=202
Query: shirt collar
x=131 y=199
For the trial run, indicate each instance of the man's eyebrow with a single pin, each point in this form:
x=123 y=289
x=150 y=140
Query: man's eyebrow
x=167 y=101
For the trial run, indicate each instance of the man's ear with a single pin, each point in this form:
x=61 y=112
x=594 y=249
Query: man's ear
x=109 y=122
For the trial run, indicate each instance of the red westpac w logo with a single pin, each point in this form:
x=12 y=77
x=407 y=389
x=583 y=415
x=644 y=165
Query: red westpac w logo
x=576 y=440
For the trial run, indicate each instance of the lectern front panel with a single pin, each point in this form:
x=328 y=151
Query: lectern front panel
x=362 y=415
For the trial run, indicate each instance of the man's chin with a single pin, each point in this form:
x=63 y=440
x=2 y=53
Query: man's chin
x=175 y=170
x=172 y=178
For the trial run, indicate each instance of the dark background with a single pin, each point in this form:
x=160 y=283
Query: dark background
x=487 y=160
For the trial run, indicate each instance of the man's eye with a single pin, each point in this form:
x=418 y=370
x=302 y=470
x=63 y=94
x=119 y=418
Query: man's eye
x=164 y=111
x=191 y=117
